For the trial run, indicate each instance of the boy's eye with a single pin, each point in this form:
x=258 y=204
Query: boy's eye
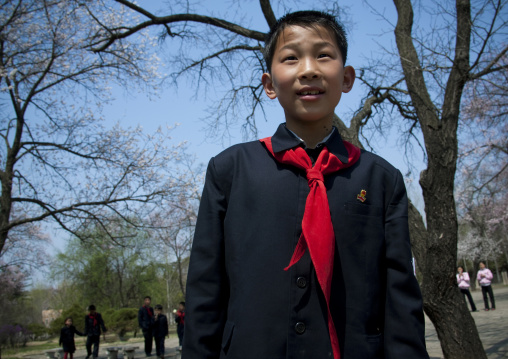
x=290 y=58
x=323 y=55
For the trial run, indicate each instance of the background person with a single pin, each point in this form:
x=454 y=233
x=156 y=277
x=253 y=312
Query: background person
x=160 y=330
x=463 y=282
x=93 y=326
x=484 y=277
x=67 y=338
x=145 y=321
x=180 y=322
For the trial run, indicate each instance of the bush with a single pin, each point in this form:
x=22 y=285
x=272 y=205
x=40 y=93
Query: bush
x=123 y=320
x=37 y=330
x=13 y=335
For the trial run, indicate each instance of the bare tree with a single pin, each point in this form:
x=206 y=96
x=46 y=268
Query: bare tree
x=173 y=226
x=421 y=87
x=59 y=164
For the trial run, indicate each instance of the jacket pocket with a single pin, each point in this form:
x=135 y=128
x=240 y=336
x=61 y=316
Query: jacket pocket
x=363 y=209
x=227 y=335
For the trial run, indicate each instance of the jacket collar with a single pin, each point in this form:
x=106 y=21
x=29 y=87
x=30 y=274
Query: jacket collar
x=283 y=140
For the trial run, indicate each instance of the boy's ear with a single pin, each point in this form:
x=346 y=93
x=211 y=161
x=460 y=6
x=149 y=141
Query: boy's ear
x=267 y=82
x=349 y=79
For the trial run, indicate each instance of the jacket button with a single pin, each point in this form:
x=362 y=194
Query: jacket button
x=300 y=328
x=301 y=282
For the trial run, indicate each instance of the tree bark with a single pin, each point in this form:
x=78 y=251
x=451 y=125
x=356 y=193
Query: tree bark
x=443 y=303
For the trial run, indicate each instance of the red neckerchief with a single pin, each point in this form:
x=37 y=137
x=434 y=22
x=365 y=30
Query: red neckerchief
x=182 y=316
x=150 y=314
x=94 y=317
x=317 y=230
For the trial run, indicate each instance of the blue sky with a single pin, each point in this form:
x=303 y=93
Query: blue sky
x=180 y=105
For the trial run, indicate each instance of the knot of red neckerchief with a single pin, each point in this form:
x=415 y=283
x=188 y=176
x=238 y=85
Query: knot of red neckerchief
x=317 y=229
x=314 y=175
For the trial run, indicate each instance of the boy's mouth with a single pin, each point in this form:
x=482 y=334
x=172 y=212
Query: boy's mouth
x=307 y=92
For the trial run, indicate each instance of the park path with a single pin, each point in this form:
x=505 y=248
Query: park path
x=492 y=325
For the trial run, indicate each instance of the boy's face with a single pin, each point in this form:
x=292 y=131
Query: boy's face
x=147 y=302
x=308 y=75
x=158 y=311
x=68 y=322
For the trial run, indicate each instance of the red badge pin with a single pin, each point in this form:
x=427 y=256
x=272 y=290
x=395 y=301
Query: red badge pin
x=362 y=196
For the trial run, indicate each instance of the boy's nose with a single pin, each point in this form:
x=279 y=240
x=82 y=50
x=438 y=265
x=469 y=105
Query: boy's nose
x=309 y=69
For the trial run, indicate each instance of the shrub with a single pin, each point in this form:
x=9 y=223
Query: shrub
x=13 y=335
x=123 y=320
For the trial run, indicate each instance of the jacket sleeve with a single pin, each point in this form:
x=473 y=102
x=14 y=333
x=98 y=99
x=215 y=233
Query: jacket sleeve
x=140 y=318
x=87 y=329
x=61 y=336
x=207 y=282
x=101 y=322
x=404 y=333
x=166 y=326
x=78 y=332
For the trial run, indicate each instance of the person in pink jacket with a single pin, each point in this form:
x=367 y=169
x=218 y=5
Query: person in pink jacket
x=463 y=282
x=485 y=278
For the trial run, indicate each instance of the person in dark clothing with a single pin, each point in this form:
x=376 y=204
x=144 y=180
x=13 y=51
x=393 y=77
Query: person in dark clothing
x=67 y=338
x=160 y=330
x=93 y=325
x=145 y=321
x=301 y=246
x=180 y=320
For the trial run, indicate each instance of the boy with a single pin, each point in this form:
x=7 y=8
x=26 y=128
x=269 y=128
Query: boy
x=93 y=325
x=160 y=330
x=180 y=322
x=302 y=245
x=145 y=321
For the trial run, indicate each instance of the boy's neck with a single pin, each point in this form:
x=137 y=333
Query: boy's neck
x=312 y=134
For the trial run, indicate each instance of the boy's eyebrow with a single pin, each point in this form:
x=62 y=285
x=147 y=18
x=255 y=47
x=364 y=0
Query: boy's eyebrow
x=294 y=45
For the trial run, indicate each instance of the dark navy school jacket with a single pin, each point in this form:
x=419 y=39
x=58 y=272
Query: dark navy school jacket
x=145 y=321
x=242 y=304
x=90 y=328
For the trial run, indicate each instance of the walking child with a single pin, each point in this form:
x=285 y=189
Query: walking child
x=301 y=247
x=160 y=330
x=93 y=326
x=67 y=338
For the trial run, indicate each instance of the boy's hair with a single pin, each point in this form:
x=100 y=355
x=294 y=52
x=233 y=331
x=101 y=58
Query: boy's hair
x=66 y=319
x=147 y=297
x=307 y=19
x=483 y=263
x=182 y=303
x=91 y=307
x=158 y=306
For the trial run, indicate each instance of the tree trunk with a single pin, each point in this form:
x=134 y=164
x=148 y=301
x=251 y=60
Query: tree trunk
x=443 y=302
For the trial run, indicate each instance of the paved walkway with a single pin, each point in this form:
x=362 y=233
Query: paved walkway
x=492 y=326
x=171 y=346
